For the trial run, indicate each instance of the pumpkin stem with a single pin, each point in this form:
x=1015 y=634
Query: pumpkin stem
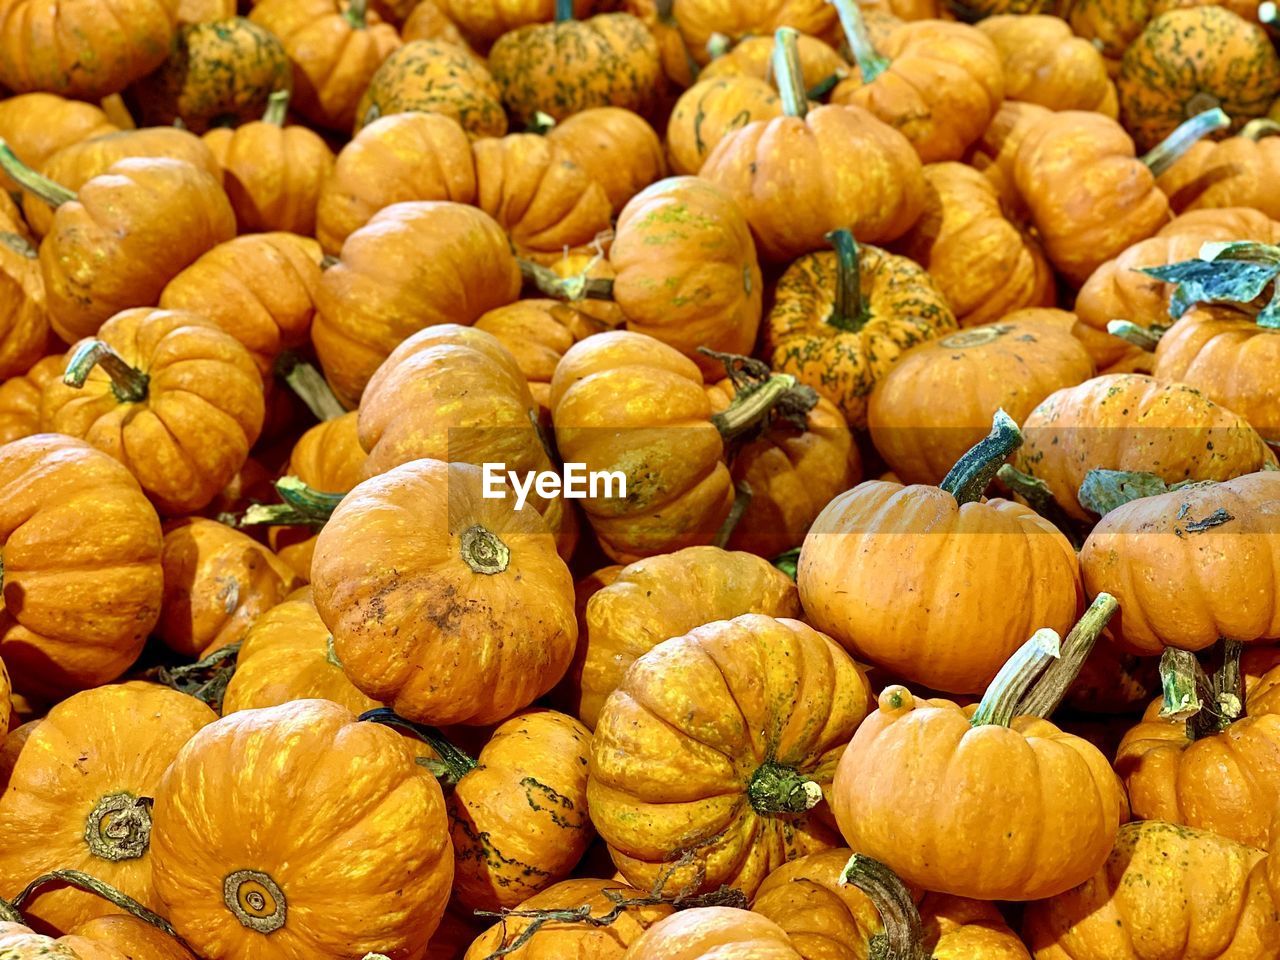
x=564 y=11
x=38 y=185
x=310 y=386
x=1169 y=150
x=569 y=289
x=483 y=550
x=848 y=312
x=788 y=562
x=903 y=932
x=357 y=14
x=256 y=900
x=788 y=75
x=776 y=789
x=718 y=44
x=870 y=63
x=750 y=408
x=1104 y=490
x=974 y=471
x=453 y=764
x=741 y=500
x=1260 y=127
x=1209 y=705
x=1145 y=338
x=1039 y=496
x=206 y=680
x=540 y=122
x=82 y=881
x=1000 y=703
x=1051 y=689
x=119 y=827
x=277 y=108
x=302 y=507
x=128 y=383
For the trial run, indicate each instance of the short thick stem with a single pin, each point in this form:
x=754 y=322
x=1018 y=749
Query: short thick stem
x=751 y=406
x=54 y=194
x=1003 y=698
x=483 y=550
x=870 y=63
x=787 y=73
x=128 y=383
x=1185 y=689
x=256 y=900
x=277 y=108
x=847 y=312
x=569 y=289
x=968 y=480
x=302 y=506
x=452 y=764
x=1166 y=153
x=1047 y=694
x=119 y=827
x=776 y=789
x=357 y=14
x=310 y=386
x=903 y=931
x=1146 y=338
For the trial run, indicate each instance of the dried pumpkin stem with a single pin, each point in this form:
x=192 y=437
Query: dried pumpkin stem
x=787 y=73
x=1182 y=683
x=83 y=881
x=903 y=931
x=1039 y=496
x=776 y=789
x=38 y=185
x=129 y=384
x=1169 y=150
x=968 y=480
x=256 y=900
x=277 y=108
x=870 y=63
x=1260 y=127
x=206 y=680
x=1051 y=689
x=302 y=506
x=848 y=313
x=357 y=14
x=1001 y=702
x=119 y=827
x=453 y=764
x=750 y=407
x=1146 y=338
x=310 y=386
x=483 y=550
x=569 y=289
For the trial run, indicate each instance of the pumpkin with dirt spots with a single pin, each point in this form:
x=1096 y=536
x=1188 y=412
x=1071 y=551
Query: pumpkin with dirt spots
x=709 y=110
x=435 y=76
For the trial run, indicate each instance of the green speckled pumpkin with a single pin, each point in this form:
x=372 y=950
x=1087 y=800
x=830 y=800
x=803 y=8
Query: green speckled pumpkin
x=433 y=76
x=1191 y=60
x=841 y=319
x=219 y=74
x=562 y=68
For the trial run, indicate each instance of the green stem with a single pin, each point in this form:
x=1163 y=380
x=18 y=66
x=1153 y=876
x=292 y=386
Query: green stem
x=788 y=562
x=750 y=407
x=1039 y=496
x=788 y=75
x=569 y=289
x=357 y=14
x=128 y=383
x=453 y=764
x=870 y=63
x=1145 y=338
x=848 y=312
x=277 y=108
x=1168 y=151
x=1104 y=490
x=82 y=881
x=302 y=506
x=1185 y=689
x=310 y=386
x=1052 y=687
x=564 y=11
x=968 y=480
x=54 y=194
x=1260 y=127
x=776 y=789
x=1001 y=702
x=903 y=932
x=718 y=44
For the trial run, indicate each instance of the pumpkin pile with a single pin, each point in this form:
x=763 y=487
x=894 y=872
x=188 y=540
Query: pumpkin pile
x=639 y=480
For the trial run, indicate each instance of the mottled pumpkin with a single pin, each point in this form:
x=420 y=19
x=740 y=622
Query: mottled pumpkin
x=79 y=796
x=334 y=47
x=403 y=157
x=86 y=51
x=24 y=321
x=1045 y=63
x=378 y=833
x=616 y=147
x=701 y=20
x=20 y=398
x=220 y=73
x=1189 y=60
x=985 y=265
x=711 y=761
x=1134 y=423
x=412 y=266
x=81 y=554
x=435 y=76
x=38 y=125
x=1227 y=173
x=842 y=318
x=709 y=110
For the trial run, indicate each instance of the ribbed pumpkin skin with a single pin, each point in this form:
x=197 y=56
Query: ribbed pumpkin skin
x=1136 y=423
x=616 y=147
x=85 y=751
x=753 y=57
x=1165 y=890
x=1045 y=63
x=20 y=398
x=1225 y=173
x=709 y=110
x=24 y=321
x=995 y=153
x=902 y=307
x=708 y=933
x=673 y=758
x=38 y=125
x=699 y=19
x=83 y=50
x=376 y=797
x=131 y=937
x=435 y=76
x=1189 y=60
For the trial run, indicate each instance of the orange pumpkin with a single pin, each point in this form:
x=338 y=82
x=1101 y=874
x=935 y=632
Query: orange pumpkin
x=118 y=937
x=20 y=398
x=486 y=20
x=705 y=933
x=1045 y=63
x=752 y=56
x=995 y=153
x=38 y=125
x=709 y=110
x=710 y=762
x=1226 y=173
x=617 y=148
x=701 y=20
x=24 y=327
x=81 y=554
x=427 y=21
x=435 y=76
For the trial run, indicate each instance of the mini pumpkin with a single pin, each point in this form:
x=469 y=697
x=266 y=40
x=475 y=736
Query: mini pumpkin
x=38 y=125
x=435 y=76
x=1226 y=173
x=995 y=153
x=20 y=398
x=709 y=110
x=24 y=327
x=1045 y=63
x=705 y=933
x=616 y=147
x=701 y=20
x=820 y=64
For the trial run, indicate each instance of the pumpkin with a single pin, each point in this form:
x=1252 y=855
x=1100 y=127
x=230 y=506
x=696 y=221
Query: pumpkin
x=709 y=110
x=985 y=265
x=435 y=76
x=710 y=762
x=334 y=47
x=377 y=832
x=789 y=473
x=24 y=329
x=841 y=319
x=1190 y=60
x=665 y=596
x=534 y=190
x=427 y=21
x=705 y=933
x=518 y=620
x=554 y=940
x=1226 y=173
x=679 y=69
x=412 y=266
x=287 y=654
x=789 y=215
x=6 y=691
x=198 y=11
x=686 y=271
x=753 y=57
x=403 y=157
x=562 y=68
x=83 y=51
x=38 y=125
x=272 y=173
x=260 y=289
x=132 y=937
x=1045 y=63
x=220 y=73
x=130 y=393
x=995 y=153
x=217 y=582
x=701 y=20
x=1184 y=436
x=938 y=83
x=617 y=149
x=81 y=555
x=79 y=795
x=20 y=398
x=1164 y=888
x=484 y=21
x=937 y=401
